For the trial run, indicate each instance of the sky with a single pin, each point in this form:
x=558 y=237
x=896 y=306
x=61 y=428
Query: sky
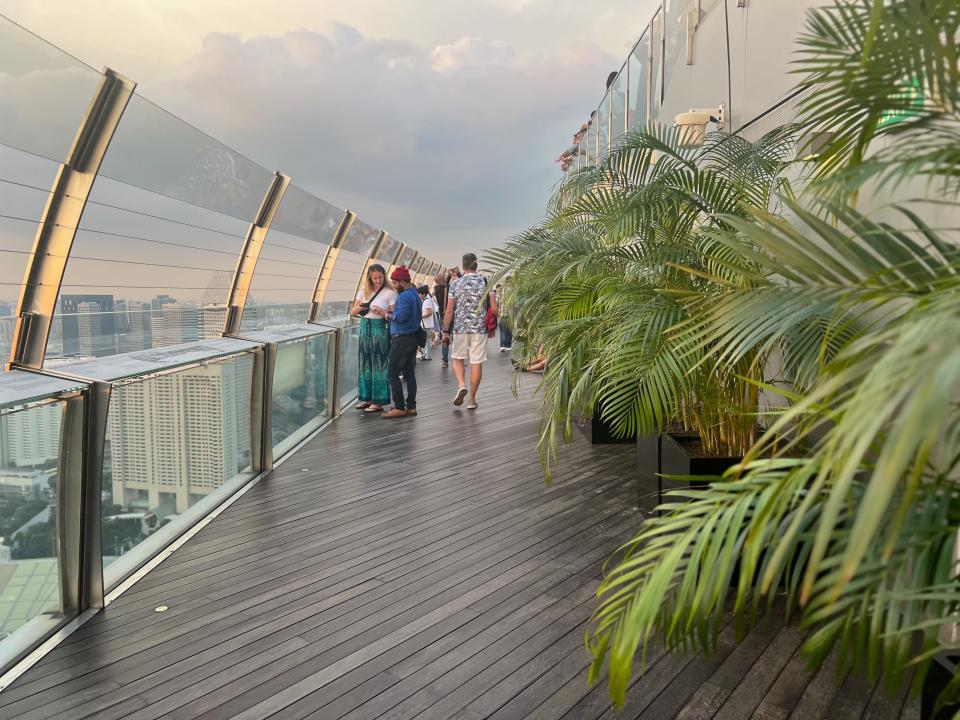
x=439 y=120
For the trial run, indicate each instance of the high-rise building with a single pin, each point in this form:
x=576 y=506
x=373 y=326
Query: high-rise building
x=181 y=324
x=70 y=324
x=214 y=320
x=160 y=300
x=139 y=334
x=175 y=438
x=31 y=438
x=93 y=339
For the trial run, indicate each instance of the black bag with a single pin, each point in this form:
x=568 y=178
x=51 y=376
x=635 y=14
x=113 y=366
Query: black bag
x=421 y=338
x=365 y=307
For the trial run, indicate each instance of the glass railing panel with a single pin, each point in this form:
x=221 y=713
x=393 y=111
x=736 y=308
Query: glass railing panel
x=618 y=106
x=45 y=93
x=342 y=288
x=407 y=256
x=591 y=153
x=157 y=151
x=178 y=443
x=283 y=282
x=601 y=120
x=361 y=238
x=656 y=86
x=387 y=251
x=301 y=385
x=679 y=17
x=306 y=216
x=349 y=363
x=145 y=271
x=32 y=411
x=639 y=82
x=24 y=188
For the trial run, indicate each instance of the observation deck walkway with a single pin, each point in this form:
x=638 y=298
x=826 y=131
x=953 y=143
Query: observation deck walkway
x=415 y=568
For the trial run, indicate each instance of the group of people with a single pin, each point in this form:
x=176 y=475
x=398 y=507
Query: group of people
x=399 y=322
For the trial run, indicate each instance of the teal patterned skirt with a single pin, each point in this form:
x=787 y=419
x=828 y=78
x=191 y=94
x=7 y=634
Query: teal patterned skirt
x=374 y=355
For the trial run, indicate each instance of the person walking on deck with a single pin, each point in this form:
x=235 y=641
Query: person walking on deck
x=429 y=311
x=465 y=317
x=405 y=320
x=372 y=304
x=440 y=298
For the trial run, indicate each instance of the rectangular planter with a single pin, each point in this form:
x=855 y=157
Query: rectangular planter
x=648 y=469
x=676 y=459
x=597 y=432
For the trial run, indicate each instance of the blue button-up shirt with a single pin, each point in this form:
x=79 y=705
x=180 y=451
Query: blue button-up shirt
x=405 y=319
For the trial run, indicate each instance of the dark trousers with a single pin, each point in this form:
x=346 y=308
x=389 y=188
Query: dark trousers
x=403 y=361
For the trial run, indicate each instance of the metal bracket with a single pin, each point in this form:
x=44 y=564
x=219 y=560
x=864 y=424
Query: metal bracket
x=327 y=266
x=252 y=245
x=61 y=218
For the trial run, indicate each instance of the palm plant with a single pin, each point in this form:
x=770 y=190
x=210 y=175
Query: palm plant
x=615 y=266
x=861 y=532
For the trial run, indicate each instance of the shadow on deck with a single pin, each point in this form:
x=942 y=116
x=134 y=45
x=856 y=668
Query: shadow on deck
x=414 y=568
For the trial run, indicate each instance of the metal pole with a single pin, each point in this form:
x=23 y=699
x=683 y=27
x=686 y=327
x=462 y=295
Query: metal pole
x=252 y=245
x=61 y=218
x=261 y=409
x=327 y=266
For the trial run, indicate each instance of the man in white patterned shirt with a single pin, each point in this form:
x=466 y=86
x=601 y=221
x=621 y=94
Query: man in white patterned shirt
x=465 y=316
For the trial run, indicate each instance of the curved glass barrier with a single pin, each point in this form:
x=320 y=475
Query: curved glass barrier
x=618 y=106
x=44 y=93
x=602 y=120
x=360 y=238
x=306 y=216
x=639 y=82
x=656 y=85
x=157 y=151
x=301 y=383
x=32 y=411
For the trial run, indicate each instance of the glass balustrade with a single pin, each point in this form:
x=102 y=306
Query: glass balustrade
x=35 y=488
x=618 y=106
x=349 y=363
x=639 y=83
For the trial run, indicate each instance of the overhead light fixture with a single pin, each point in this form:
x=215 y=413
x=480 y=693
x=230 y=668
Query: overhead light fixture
x=693 y=124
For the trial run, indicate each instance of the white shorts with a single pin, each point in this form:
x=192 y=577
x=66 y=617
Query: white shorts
x=469 y=345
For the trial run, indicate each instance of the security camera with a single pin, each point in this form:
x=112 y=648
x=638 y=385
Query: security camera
x=693 y=124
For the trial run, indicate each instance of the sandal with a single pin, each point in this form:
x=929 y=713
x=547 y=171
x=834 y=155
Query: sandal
x=362 y=406
x=374 y=408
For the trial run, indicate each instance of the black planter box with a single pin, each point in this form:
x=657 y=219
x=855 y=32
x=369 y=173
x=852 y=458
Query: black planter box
x=648 y=469
x=941 y=672
x=600 y=433
x=676 y=460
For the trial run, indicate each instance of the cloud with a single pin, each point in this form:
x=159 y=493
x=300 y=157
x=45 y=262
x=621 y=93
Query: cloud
x=449 y=147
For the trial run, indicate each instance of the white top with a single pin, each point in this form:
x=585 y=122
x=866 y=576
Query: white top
x=429 y=304
x=384 y=300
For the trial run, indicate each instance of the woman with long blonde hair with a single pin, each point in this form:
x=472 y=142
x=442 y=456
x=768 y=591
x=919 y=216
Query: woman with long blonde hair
x=375 y=299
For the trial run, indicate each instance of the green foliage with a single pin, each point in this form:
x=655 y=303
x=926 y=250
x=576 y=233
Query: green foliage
x=666 y=285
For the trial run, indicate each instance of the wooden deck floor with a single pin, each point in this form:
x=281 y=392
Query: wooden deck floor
x=410 y=569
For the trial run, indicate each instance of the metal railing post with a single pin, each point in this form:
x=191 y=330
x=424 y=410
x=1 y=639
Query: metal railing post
x=327 y=266
x=252 y=245
x=261 y=409
x=61 y=218
x=335 y=391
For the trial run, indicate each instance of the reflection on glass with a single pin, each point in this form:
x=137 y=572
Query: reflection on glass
x=155 y=150
x=639 y=79
x=29 y=459
x=678 y=17
x=349 y=364
x=300 y=400
x=591 y=156
x=173 y=440
x=618 y=106
x=360 y=238
x=656 y=86
x=306 y=216
x=44 y=93
x=601 y=120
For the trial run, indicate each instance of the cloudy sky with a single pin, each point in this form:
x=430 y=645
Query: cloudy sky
x=436 y=119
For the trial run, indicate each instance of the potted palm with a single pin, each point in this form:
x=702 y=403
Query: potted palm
x=861 y=531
